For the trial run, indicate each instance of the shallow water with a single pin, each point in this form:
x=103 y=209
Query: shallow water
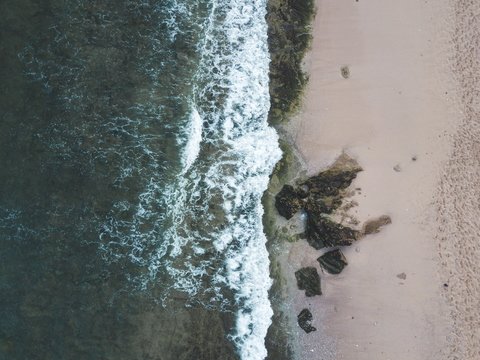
x=134 y=152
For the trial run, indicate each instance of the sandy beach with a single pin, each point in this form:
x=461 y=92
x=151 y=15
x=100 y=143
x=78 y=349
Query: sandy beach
x=409 y=114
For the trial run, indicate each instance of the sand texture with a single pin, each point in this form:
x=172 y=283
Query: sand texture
x=457 y=203
x=408 y=112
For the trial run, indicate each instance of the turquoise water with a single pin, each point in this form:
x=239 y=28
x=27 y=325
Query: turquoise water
x=134 y=151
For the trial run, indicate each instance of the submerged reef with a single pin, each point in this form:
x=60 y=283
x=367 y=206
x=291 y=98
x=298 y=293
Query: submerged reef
x=289 y=36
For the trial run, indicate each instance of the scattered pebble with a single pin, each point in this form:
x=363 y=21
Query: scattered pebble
x=397 y=168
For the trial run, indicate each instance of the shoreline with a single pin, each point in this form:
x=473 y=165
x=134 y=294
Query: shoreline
x=403 y=112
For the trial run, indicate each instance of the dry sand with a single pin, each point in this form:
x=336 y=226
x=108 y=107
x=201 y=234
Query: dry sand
x=413 y=91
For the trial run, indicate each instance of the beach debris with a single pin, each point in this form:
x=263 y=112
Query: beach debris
x=345 y=72
x=414 y=158
x=288 y=202
x=323 y=232
x=397 y=168
x=309 y=280
x=333 y=261
x=372 y=226
x=304 y=319
x=402 y=276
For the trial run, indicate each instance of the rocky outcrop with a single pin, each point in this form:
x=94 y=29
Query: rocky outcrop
x=323 y=232
x=304 y=319
x=326 y=195
x=333 y=261
x=329 y=182
x=288 y=202
x=309 y=280
x=372 y=226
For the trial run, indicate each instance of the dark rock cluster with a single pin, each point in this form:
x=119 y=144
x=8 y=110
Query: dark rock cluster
x=325 y=195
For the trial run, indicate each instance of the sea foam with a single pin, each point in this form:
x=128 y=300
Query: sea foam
x=230 y=163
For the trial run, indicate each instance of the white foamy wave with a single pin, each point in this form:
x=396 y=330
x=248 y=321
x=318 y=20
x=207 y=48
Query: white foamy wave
x=194 y=135
x=215 y=206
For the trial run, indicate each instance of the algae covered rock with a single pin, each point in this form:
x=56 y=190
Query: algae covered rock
x=333 y=261
x=322 y=232
x=304 y=319
x=302 y=194
x=329 y=182
x=309 y=280
x=287 y=202
x=322 y=204
x=372 y=226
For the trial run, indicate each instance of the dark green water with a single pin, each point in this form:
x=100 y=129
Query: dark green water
x=92 y=106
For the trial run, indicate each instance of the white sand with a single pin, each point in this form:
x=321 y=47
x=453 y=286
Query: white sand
x=405 y=97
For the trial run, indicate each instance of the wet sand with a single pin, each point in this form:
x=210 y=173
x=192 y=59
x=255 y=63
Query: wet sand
x=410 y=103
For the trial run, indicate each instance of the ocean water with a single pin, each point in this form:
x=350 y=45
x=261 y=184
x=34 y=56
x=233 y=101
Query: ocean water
x=134 y=152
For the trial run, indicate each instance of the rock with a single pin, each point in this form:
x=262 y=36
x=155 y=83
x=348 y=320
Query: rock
x=287 y=202
x=322 y=232
x=329 y=182
x=304 y=318
x=402 y=276
x=372 y=226
x=309 y=280
x=397 y=168
x=333 y=261
x=302 y=194
x=325 y=205
x=345 y=72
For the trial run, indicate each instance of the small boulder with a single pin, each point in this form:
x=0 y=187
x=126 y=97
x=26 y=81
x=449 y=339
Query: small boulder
x=304 y=319
x=333 y=261
x=309 y=280
x=287 y=202
x=322 y=232
x=372 y=226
